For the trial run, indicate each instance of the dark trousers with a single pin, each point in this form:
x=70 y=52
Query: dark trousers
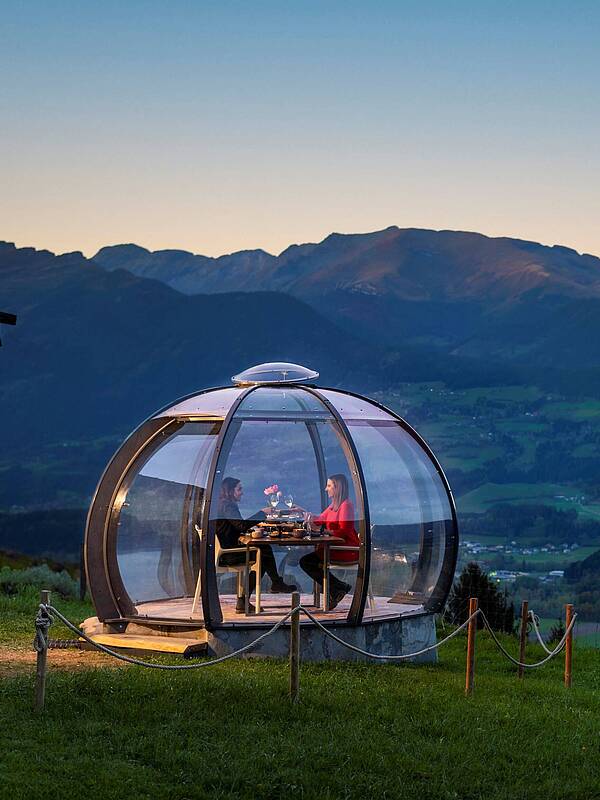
x=268 y=565
x=313 y=566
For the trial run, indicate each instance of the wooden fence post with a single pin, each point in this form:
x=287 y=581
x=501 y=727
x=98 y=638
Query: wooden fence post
x=295 y=649
x=40 y=672
x=471 y=631
x=569 y=648
x=523 y=636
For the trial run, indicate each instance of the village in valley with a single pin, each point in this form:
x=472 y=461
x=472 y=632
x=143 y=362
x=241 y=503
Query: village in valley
x=483 y=554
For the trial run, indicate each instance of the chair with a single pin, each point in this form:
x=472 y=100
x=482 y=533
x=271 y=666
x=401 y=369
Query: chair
x=239 y=569
x=349 y=566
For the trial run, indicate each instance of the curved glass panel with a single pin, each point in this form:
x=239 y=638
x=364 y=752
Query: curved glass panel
x=208 y=404
x=280 y=402
x=351 y=407
x=157 y=545
x=410 y=515
x=276 y=372
x=296 y=455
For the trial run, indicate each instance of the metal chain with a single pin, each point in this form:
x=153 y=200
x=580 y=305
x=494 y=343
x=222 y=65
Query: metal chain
x=64 y=644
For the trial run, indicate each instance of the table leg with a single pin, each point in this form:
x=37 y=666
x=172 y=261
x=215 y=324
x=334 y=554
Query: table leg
x=325 y=577
x=316 y=595
x=247 y=583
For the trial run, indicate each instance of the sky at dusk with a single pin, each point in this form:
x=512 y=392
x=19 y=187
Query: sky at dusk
x=220 y=126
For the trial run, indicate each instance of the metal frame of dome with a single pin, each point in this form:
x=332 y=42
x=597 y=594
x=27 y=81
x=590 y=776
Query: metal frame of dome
x=108 y=591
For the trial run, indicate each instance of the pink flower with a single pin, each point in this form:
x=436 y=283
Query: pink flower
x=271 y=489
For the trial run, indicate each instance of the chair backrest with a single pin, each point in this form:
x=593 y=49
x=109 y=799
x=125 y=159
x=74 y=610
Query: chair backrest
x=218 y=548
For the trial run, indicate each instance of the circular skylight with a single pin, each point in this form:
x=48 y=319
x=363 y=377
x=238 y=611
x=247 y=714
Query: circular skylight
x=275 y=372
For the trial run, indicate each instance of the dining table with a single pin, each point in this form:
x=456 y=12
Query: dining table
x=285 y=535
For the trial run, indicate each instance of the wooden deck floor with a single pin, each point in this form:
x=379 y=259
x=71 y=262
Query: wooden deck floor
x=274 y=606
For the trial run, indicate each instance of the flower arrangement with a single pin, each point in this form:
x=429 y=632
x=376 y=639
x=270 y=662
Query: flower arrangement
x=274 y=489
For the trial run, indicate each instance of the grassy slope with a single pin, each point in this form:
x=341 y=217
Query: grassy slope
x=17 y=614
x=489 y=494
x=360 y=731
x=459 y=430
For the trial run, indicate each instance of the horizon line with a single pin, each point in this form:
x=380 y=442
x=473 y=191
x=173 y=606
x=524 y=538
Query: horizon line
x=298 y=244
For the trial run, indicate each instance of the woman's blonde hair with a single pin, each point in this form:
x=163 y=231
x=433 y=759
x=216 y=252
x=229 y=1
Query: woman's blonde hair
x=340 y=482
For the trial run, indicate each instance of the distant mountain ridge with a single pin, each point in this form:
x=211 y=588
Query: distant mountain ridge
x=411 y=264
x=452 y=292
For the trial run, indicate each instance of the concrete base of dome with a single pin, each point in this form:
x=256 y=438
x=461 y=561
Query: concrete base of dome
x=385 y=637
x=403 y=635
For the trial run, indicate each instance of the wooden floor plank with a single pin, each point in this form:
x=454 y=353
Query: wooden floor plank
x=274 y=607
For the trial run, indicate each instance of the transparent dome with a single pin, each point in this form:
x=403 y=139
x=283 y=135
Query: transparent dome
x=169 y=534
x=275 y=372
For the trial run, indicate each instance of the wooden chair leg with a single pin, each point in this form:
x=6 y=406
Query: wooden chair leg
x=326 y=580
x=258 y=570
x=196 y=602
x=372 y=599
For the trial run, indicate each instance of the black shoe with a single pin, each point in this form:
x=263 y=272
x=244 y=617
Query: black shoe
x=240 y=606
x=280 y=587
x=336 y=597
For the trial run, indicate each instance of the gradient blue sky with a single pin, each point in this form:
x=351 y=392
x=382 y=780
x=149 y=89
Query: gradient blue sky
x=218 y=126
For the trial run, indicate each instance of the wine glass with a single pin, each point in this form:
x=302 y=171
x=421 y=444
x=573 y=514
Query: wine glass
x=289 y=501
x=274 y=500
x=308 y=523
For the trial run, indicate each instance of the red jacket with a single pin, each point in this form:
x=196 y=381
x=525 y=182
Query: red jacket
x=340 y=523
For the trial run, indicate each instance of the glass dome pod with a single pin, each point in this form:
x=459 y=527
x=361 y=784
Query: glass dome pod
x=153 y=550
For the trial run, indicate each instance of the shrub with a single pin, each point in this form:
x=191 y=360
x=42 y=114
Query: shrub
x=474 y=582
x=556 y=633
x=41 y=577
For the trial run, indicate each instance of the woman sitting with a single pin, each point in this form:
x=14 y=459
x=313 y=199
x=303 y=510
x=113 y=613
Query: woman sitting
x=338 y=518
x=230 y=526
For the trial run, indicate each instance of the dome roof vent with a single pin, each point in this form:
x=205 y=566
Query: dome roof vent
x=275 y=372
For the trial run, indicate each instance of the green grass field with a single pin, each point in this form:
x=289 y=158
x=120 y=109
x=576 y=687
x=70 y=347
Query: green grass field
x=589 y=511
x=587 y=633
x=583 y=411
x=473 y=429
x=359 y=730
x=480 y=499
x=557 y=558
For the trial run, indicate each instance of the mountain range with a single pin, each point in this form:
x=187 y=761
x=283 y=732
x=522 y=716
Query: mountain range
x=410 y=264
x=454 y=292
x=101 y=343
